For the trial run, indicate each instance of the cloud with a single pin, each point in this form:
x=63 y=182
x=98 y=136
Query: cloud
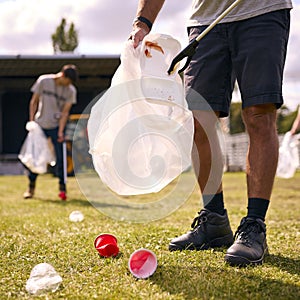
x=106 y=26
x=26 y=25
x=292 y=69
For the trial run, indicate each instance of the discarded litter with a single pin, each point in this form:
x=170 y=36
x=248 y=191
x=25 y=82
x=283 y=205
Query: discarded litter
x=43 y=278
x=76 y=216
x=107 y=245
x=142 y=263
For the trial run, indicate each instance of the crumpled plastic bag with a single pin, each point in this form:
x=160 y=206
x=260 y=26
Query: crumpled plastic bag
x=37 y=151
x=43 y=278
x=76 y=216
x=141 y=131
x=288 y=160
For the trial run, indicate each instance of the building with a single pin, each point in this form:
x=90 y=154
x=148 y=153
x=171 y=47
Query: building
x=18 y=73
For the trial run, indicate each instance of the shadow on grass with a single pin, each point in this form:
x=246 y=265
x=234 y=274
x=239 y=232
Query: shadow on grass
x=114 y=205
x=79 y=202
x=221 y=283
x=287 y=264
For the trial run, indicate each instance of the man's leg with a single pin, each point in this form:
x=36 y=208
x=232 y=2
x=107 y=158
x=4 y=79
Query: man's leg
x=250 y=246
x=262 y=157
x=207 y=155
x=259 y=45
x=60 y=171
x=208 y=160
x=211 y=227
x=52 y=133
x=31 y=187
x=208 y=85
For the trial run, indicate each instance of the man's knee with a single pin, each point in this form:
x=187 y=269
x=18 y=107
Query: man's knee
x=204 y=123
x=260 y=118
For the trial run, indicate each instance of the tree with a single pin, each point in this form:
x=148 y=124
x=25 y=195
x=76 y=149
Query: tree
x=64 y=40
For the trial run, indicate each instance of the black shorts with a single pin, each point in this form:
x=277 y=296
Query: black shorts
x=252 y=51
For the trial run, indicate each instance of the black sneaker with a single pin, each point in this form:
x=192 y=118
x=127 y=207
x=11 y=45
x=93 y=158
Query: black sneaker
x=209 y=230
x=250 y=245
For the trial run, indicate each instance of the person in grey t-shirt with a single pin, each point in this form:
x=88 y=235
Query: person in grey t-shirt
x=52 y=99
x=249 y=46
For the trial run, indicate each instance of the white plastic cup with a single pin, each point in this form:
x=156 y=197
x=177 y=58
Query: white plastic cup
x=142 y=263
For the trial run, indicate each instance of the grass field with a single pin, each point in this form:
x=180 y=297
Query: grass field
x=39 y=230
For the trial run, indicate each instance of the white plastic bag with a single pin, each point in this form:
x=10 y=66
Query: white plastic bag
x=36 y=152
x=288 y=160
x=76 y=216
x=43 y=278
x=141 y=131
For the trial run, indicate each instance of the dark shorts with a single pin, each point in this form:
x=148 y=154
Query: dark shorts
x=252 y=51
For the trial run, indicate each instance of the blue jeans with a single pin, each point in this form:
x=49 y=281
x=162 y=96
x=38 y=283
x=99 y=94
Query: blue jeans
x=53 y=134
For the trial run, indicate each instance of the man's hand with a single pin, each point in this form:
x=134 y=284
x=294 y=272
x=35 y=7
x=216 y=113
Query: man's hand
x=147 y=10
x=140 y=30
x=60 y=137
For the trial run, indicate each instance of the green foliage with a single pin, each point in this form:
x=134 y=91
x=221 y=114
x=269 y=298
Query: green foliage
x=38 y=230
x=236 y=124
x=64 y=40
x=285 y=119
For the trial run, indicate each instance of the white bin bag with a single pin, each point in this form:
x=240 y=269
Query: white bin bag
x=141 y=131
x=288 y=160
x=37 y=151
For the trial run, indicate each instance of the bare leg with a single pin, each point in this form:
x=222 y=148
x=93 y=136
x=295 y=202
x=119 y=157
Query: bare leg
x=211 y=227
x=262 y=157
x=260 y=121
x=206 y=154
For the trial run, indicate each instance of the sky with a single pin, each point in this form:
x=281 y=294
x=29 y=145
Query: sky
x=104 y=25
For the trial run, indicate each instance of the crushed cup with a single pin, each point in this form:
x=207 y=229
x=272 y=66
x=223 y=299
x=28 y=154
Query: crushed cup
x=106 y=245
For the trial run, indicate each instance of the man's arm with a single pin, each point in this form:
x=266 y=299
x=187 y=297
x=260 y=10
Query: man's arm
x=33 y=106
x=148 y=9
x=63 y=121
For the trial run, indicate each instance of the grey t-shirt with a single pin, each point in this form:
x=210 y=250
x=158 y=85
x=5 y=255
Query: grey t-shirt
x=204 y=12
x=52 y=98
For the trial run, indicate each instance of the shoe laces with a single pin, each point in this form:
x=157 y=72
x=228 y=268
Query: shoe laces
x=200 y=219
x=247 y=227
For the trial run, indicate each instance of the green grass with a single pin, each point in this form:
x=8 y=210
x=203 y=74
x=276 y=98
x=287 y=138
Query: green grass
x=38 y=230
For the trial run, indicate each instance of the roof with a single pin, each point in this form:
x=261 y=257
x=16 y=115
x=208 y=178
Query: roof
x=29 y=67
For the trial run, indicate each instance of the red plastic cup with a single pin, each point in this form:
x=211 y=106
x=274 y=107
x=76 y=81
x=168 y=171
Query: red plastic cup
x=142 y=263
x=106 y=245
